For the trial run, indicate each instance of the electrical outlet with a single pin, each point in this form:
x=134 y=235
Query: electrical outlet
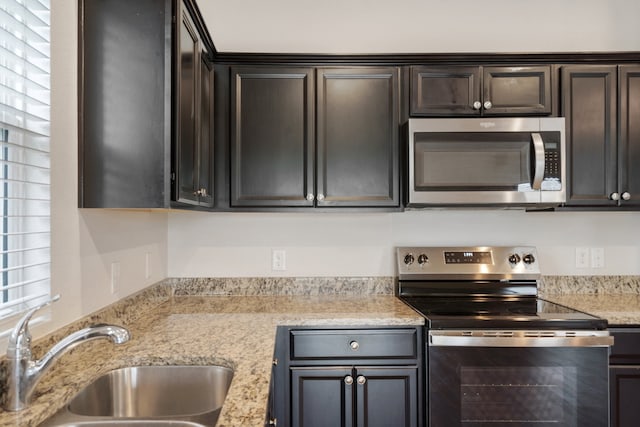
x=278 y=260
x=115 y=277
x=582 y=257
x=597 y=257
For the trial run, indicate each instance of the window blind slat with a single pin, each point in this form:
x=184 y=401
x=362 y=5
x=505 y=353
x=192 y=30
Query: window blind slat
x=25 y=192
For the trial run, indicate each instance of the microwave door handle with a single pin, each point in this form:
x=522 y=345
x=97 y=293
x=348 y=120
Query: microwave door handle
x=538 y=150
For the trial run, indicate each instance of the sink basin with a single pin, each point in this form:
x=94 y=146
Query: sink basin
x=149 y=396
x=131 y=423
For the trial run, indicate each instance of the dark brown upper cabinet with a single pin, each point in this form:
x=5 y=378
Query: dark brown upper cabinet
x=145 y=128
x=480 y=91
x=272 y=136
x=602 y=111
x=358 y=131
x=283 y=156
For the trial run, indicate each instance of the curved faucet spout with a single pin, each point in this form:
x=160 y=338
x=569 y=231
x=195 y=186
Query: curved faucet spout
x=23 y=373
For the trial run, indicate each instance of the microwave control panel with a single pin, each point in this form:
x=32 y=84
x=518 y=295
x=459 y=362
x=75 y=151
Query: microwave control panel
x=552 y=160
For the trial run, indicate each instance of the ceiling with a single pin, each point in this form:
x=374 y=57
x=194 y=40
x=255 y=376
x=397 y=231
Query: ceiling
x=422 y=26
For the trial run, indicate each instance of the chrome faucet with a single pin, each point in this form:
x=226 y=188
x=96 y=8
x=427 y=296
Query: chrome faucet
x=23 y=373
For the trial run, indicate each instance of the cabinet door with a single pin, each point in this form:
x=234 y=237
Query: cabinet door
x=589 y=106
x=358 y=131
x=204 y=168
x=387 y=396
x=188 y=89
x=629 y=135
x=445 y=91
x=322 y=397
x=272 y=137
x=517 y=90
x=625 y=394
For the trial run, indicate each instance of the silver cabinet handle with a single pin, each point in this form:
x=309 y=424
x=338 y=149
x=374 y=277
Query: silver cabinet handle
x=361 y=380
x=310 y=197
x=626 y=196
x=348 y=380
x=477 y=105
x=354 y=345
x=614 y=196
x=320 y=197
x=538 y=149
x=488 y=105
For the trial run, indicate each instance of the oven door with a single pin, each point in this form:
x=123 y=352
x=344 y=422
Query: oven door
x=506 y=380
x=454 y=161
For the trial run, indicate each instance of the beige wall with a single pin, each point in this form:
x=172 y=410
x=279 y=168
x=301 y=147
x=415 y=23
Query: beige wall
x=84 y=242
x=382 y=26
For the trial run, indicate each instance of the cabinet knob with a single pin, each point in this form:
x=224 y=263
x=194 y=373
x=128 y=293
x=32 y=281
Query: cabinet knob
x=273 y=422
x=361 y=379
x=320 y=196
x=354 y=345
x=488 y=105
x=477 y=105
x=614 y=196
x=348 y=380
x=626 y=196
x=310 y=197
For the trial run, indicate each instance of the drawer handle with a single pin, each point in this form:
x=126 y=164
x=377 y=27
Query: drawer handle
x=354 y=345
x=348 y=380
x=361 y=380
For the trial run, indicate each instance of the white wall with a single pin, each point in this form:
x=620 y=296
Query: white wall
x=334 y=244
x=382 y=26
x=85 y=242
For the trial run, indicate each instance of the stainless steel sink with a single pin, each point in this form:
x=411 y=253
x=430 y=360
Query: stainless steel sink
x=146 y=396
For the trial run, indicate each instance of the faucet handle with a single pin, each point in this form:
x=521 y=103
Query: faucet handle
x=20 y=338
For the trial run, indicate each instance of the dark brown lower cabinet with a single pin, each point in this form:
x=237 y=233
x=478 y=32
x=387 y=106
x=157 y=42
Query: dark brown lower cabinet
x=359 y=396
x=624 y=377
x=347 y=377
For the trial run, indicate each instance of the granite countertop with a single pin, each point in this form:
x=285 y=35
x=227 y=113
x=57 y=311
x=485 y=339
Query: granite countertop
x=234 y=331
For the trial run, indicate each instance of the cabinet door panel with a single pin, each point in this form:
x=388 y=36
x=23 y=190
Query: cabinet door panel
x=386 y=397
x=320 y=397
x=589 y=106
x=358 y=128
x=629 y=140
x=189 y=101
x=517 y=90
x=205 y=148
x=445 y=91
x=625 y=392
x=272 y=137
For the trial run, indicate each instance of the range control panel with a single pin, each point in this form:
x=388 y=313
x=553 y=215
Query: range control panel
x=477 y=262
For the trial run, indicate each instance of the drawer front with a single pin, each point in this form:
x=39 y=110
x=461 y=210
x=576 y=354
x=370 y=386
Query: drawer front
x=626 y=346
x=354 y=344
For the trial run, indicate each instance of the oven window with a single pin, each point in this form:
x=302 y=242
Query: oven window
x=477 y=161
x=515 y=394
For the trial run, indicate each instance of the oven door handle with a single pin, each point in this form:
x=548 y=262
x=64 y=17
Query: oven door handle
x=538 y=150
x=524 y=339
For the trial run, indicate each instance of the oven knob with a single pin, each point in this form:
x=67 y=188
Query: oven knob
x=529 y=259
x=408 y=259
x=423 y=259
x=514 y=259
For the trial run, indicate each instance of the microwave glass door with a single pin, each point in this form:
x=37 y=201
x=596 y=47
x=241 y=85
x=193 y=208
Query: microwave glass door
x=469 y=161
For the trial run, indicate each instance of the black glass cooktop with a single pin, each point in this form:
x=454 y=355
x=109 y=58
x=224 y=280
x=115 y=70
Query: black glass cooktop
x=487 y=312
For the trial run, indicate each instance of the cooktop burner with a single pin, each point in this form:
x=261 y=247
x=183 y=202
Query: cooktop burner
x=535 y=313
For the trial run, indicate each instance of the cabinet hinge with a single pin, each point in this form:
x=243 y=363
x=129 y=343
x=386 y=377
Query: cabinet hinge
x=173 y=176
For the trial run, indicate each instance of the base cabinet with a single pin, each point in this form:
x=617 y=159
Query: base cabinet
x=348 y=378
x=624 y=377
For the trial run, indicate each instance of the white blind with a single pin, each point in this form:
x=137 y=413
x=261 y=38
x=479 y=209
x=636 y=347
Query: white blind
x=24 y=156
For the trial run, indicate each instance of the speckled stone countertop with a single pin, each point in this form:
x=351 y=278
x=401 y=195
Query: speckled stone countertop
x=234 y=331
x=615 y=298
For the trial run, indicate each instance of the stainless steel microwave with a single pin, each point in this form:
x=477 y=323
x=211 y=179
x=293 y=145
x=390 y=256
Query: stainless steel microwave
x=484 y=161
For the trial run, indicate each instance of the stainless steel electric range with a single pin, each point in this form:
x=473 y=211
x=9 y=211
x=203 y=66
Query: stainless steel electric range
x=497 y=354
